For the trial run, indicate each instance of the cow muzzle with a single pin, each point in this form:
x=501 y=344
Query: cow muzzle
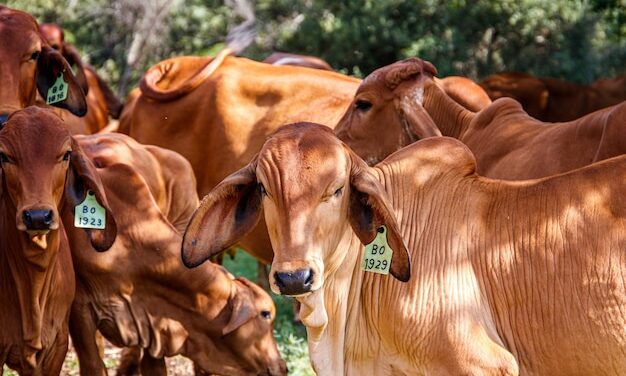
x=294 y=283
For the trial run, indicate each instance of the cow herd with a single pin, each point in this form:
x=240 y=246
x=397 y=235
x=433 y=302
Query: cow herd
x=397 y=210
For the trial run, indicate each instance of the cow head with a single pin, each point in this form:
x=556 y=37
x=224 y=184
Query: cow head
x=55 y=37
x=245 y=342
x=43 y=168
x=386 y=113
x=312 y=189
x=28 y=64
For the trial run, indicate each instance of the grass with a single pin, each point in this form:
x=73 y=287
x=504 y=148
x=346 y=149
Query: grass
x=290 y=337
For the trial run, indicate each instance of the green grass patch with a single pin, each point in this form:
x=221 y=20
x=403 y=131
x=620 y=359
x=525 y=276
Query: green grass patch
x=291 y=338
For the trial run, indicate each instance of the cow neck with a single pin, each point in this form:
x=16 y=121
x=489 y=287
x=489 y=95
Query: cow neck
x=452 y=119
x=340 y=297
x=27 y=273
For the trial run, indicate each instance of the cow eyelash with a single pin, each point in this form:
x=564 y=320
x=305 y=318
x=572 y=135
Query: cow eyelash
x=66 y=156
x=262 y=189
x=338 y=192
x=363 y=105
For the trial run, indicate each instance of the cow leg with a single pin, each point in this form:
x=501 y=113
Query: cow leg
x=52 y=363
x=152 y=366
x=129 y=362
x=83 y=331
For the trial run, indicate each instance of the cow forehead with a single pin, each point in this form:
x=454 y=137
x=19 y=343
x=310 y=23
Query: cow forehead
x=303 y=160
x=17 y=31
x=34 y=128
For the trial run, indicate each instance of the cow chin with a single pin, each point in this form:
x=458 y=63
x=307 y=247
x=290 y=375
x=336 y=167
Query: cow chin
x=39 y=238
x=296 y=278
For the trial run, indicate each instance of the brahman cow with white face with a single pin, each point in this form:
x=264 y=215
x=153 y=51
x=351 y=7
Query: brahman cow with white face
x=503 y=278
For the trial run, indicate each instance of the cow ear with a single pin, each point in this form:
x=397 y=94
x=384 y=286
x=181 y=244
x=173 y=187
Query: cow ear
x=369 y=210
x=73 y=58
x=225 y=215
x=420 y=124
x=49 y=66
x=242 y=308
x=82 y=178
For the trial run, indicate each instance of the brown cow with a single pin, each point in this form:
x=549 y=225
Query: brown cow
x=139 y=294
x=216 y=113
x=506 y=278
x=397 y=104
x=101 y=101
x=554 y=100
x=28 y=64
x=44 y=175
x=284 y=58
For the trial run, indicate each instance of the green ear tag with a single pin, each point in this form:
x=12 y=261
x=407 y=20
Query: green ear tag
x=89 y=214
x=58 y=91
x=377 y=254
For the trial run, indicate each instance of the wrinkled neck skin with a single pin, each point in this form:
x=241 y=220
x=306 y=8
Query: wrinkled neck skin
x=26 y=284
x=451 y=118
x=326 y=313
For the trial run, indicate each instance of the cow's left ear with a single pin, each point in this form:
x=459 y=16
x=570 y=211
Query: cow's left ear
x=82 y=178
x=369 y=210
x=411 y=108
x=242 y=308
x=50 y=65
x=73 y=58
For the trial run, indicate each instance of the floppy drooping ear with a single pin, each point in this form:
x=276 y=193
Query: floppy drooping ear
x=73 y=58
x=369 y=210
x=417 y=120
x=225 y=215
x=49 y=66
x=242 y=307
x=81 y=178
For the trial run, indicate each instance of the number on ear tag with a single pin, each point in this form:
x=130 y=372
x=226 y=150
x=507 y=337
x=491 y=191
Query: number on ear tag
x=377 y=254
x=58 y=91
x=89 y=214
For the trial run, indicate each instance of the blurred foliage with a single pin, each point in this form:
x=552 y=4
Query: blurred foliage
x=576 y=40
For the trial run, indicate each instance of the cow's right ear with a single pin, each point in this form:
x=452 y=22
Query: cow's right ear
x=369 y=210
x=50 y=65
x=82 y=178
x=228 y=213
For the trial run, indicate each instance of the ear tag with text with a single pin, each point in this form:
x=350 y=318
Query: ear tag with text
x=377 y=254
x=58 y=91
x=89 y=214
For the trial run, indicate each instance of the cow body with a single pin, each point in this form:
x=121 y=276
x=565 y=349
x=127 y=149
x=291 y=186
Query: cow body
x=139 y=295
x=43 y=176
x=506 y=141
x=554 y=100
x=506 y=278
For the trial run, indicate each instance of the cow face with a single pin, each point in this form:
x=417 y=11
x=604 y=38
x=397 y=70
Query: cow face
x=312 y=189
x=386 y=113
x=28 y=64
x=40 y=161
x=246 y=345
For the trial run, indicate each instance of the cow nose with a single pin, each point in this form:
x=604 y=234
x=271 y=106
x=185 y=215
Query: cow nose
x=37 y=219
x=294 y=283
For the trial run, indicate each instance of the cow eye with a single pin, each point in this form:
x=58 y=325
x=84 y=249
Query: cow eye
x=338 y=192
x=4 y=158
x=35 y=55
x=363 y=105
x=56 y=47
x=266 y=315
x=66 y=156
x=262 y=189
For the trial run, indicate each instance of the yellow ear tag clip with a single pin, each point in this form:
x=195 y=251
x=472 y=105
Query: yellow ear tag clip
x=89 y=214
x=377 y=254
x=58 y=91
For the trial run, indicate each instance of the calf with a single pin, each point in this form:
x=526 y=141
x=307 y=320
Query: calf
x=400 y=103
x=101 y=101
x=506 y=278
x=43 y=176
x=28 y=64
x=139 y=294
